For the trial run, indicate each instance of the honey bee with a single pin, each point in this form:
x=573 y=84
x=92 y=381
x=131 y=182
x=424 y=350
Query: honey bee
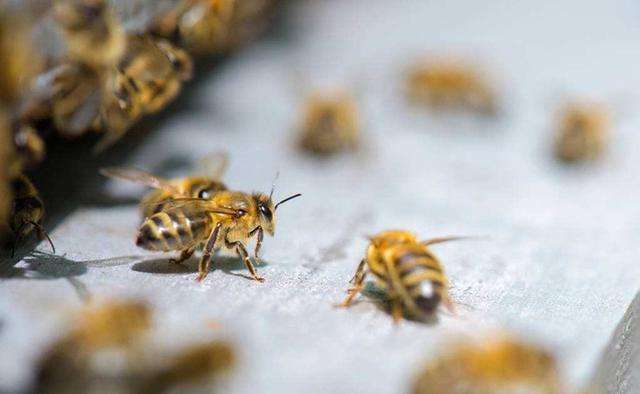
x=497 y=365
x=404 y=267
x=27 y=211
x=92 y=33
x=208 y=215
x=450 y=85
x=108 y=350
x=112 y=331
x=212 y=26
x=193 y=364
x=582 y=132
x=166 y=190
x=29 y=145
x=147 y=78
x=330 y=124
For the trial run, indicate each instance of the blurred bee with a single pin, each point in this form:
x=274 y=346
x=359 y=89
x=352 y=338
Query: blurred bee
x=166 y=190
x=196 y=363
x=147 y=78
x=450 y=85
x=27 y=211
x=212 y=26
x=497 y=365
x=69 y=94
x=92 y=33
x=29 y=145
x=330 y=124
x=111 y=332
x=227 y=220
x=582 y=132
x=404 y=267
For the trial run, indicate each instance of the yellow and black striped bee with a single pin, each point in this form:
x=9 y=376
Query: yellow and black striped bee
x=149 y=75
x=449 y=84
x=204 y=184
x=93 y=34
x=404 y=267
x=187 y=213
x=494 y=365
x=330 y=124
x=582 y=133
x=27 y=211
x=212 y=26
x=227 y=220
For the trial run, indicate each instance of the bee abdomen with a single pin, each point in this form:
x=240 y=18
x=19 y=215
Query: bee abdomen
x=422 y=276
x=160 y=233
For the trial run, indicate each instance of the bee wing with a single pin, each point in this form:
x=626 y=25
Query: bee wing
x=195 y=203
x=139 y=176
x=213 y=165
x=440 y=240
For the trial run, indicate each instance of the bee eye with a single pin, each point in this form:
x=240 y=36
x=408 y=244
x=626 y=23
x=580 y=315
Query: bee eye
x=204 y=193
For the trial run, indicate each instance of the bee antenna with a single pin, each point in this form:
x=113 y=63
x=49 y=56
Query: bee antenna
x=273 y=184
x=42 y=232
x=287 y=199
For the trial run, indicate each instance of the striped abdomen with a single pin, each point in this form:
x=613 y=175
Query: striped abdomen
x=27 y=205
x=173 y=230
x=418 y=277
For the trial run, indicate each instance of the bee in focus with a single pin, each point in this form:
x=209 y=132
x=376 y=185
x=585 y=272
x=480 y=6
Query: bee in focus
x=27 y=211
x=330 y=124
x=92 y=33
x=212 y=26
x=148 y=77
x=496 y=365
x=410 y=275
x=582 y=132
x=216 y=218
x=203 y=185
x=450 y=84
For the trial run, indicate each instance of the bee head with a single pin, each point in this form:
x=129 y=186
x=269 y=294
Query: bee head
x=266 y=213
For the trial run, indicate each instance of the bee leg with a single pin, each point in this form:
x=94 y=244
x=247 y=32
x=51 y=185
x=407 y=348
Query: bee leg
x=184 y=255
x=244 y=255
x=258 y=241
x=396 y=311
x=357 y=280
x=449 y=304
x=205 y=260
x=242 y=252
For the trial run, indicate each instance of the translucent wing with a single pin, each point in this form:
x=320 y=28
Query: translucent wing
x=195 y=203
x=213 y=165
x=139 y=176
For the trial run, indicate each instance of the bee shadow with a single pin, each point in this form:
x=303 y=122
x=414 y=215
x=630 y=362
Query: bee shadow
x=41 y=265
x=226 y=264
x=378 y=297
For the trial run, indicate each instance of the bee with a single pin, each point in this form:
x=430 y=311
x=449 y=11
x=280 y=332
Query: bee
x=212 y=26
x=107 y=350
x=166 y=190
x=29 y=145
x=27 y=211
x=227 y=220
x=450 y=85
x=92 y=33
x=148 y=77
x=330 y=124
x=496 y=365
x=195 y=363
x=67 y=95
x=112 y=332
x=404 y=267
x=582 y=132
